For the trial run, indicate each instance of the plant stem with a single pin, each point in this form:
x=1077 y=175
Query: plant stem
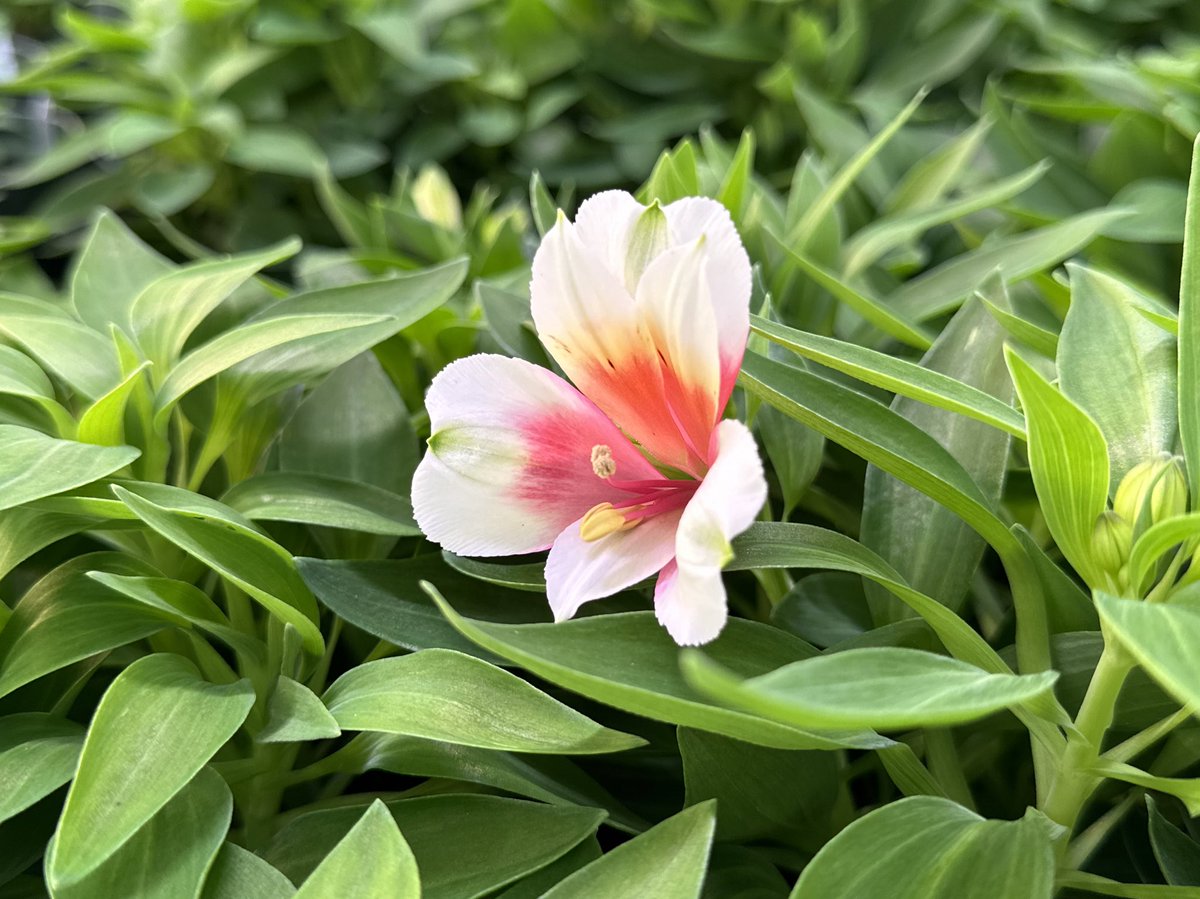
x=1074 y=784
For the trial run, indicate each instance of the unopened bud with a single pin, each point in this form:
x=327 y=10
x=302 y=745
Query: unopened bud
x=435 y=198
x=1112 y=539
x=1156 y=489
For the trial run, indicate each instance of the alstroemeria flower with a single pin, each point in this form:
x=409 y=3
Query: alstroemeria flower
x=634 y=473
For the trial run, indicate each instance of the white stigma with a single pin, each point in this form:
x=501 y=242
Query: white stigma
x=603 y=463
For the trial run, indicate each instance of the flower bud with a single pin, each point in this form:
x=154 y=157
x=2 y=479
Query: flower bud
x=1156 y=488
x=1112 y=539
x=435 y=198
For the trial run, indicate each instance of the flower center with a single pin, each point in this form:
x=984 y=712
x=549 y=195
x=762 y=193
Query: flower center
x=646 y=498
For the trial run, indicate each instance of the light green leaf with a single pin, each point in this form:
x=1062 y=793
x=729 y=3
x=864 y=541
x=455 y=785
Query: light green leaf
x=324 y=501
x=34 y=465
x=883 y=688
x=1189 y=329
x=110 y=270
x=169 y=308
x=1178 y=855
x=628 y=661
x=227 y=543
x=1163 y=639
x=734 y=185
x=1119 y=368
x=103 y=423
x=171 y=853
x=933 y=177
x=21 y=376
x=667 y=862
x=83 y=359
x=372 y=861
x=154 y=729
x=238 y=873
x=1069 y=462
x=925 y=847
x=38 y=754
x=1102 y=886
x=443 y=695
x=295 y=713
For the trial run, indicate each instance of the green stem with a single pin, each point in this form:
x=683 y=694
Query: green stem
x=1075 y=784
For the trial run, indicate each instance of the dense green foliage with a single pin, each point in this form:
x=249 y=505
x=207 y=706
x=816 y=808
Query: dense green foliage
x=240 y=239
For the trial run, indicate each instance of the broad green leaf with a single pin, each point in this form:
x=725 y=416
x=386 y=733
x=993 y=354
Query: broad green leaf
x=1189 y=329
x=546 y=778
x=324 y=501
x=372 y=861
x=884 y=234
x=67 y=617
x=238 y=873
x=667 y=862
x=169 y=308
x=760 y=792
x=38 y=754
x=227 y=543
x=875 y=433
x=34 y=465
x=295 y=713
x=1178 y=855
x=154 y=729
x=187 y=831
x=628 y=661
x=535 y=885
x=83 y=359
x=1163 y=639
x=1156 y=541
x=508 y=838
x=103 y=422
x=883 y=688
x=443 y=695
x=920 y=382
x=1069 y=462
x=1118 y=368
x=510 y=321
x=941 y=557
x=927 y=182
x=925 y=847
x=944 y=288
x=21 y=376
x=525 y=576
x=279 y=149
x=110 y=270
x=1032 y=335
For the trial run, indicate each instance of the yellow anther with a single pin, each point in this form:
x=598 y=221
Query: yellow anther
x=602 y=520
x=603 y=463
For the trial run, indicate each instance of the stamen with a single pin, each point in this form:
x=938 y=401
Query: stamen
x=603 y=463
x=602 y=520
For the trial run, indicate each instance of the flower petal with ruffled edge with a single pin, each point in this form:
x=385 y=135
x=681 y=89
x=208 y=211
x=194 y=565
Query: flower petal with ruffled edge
x=689 y=599
x=509 y=462
x=647 y=311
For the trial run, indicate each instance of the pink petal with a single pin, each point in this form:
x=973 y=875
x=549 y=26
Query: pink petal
x=578 y=571
x=509 y=464
x=690 y=601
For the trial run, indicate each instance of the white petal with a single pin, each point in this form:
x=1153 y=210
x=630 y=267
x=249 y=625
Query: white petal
x=691 y=602
x=578 y=571
x=603 y=224
x=509 y=464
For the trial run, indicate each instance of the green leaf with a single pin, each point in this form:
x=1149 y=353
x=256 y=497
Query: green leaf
x=667 y=862
x=34 y=465
x=103 y=423
x=737 y=180
x=227 y=543
x=324 y=501
x=932 y=177
x=444 y=695
x=944 y=288
x=1069 y=462
x=920 y=382
x=279 y=149
x=110 y=270
x=628 y=661
x=38 y=754
x=1178 y=855
x=508 y=838
x=21 y=376
x=1189 y=329
x=925 y=847
x=80 y=357
x=941 y=557
x=760 y=792
x=295 y=713
x=372 y=861
x=1118 y=368
x=1094 y=883
x=238 y=873
x=67 y=617
x=534 y=886
x=1163 y=639
x=883 y=688
x=187 y=831
x=168 y=309
x=154 y=729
